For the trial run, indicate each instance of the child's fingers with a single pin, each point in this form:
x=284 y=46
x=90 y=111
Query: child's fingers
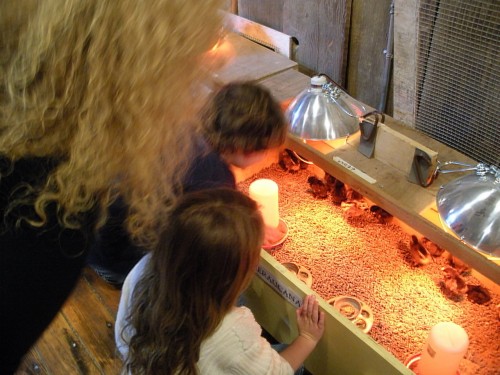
x=310 y=307
x=304 y=307
x=321 y=321
x=315 y=310
x=310 y=319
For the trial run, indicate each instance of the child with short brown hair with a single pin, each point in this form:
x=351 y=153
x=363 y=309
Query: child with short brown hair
x=240 y=123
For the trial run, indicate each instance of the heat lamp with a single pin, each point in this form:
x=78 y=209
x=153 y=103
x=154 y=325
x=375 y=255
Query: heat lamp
x=469 y=206
x=324 y=111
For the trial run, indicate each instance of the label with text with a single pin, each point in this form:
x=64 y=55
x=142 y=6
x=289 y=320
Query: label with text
x=353 y=169
x=286 y=293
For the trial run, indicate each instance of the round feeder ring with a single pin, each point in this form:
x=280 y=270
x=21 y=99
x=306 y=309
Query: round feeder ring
x=355 y=310
x=300 y=271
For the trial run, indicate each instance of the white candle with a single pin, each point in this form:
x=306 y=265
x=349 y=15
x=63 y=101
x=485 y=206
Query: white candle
x=265 y=193
x=445 y=347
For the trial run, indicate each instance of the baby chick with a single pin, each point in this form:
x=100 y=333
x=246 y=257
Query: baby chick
x=418 y=253
x=478 y=294
x=352 y=195
x=338 y=193
x=431 y=247
x=461 y=267
x=318 y=187
x=330 y=181
x=453 y=284
x=382 y=215
x=288 y=162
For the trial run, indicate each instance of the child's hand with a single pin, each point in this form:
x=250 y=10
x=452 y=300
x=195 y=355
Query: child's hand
x=310 y=321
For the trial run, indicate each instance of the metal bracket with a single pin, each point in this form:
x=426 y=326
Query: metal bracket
x=368 y=134
x=421 y=173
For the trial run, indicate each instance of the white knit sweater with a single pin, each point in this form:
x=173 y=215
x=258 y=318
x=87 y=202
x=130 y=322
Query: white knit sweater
x=236 y=347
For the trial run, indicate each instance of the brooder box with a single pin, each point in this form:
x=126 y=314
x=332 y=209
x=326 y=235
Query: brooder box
x=275 y=292
x=345 y=349
x=274 y=296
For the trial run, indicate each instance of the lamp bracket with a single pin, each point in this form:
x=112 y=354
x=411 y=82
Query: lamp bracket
x=481 y=169
x=334 y=92
x=420 y=172
x=368 y=132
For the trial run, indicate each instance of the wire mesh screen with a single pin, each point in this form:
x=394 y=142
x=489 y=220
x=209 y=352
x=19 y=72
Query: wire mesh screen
x=458 y=75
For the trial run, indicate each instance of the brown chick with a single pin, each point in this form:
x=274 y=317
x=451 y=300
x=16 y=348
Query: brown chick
x=338 y=193
x=303 y=162
x=478 y=294
x=331 y=182
x=352 y=195
x=431 y=247
x=288 y=162
x=461 y=267
x=382 y=215
x=337 y=188
x=453 y=284
x=318 y=187
x=419 y=255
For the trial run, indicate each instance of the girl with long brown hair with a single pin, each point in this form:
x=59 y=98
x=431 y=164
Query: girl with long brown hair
x=177 y=312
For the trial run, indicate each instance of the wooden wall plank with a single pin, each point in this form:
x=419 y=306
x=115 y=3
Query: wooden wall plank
x=333 y=37
x=321 y=28
x=344 y=39
x=268 y=13
x=368 y=40
x=405 y=60
x=301 y=20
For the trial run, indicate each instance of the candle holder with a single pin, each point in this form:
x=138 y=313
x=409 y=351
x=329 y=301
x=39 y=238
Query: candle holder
x=445 y=347
x=283 y=228
x=265 y=192
x=413 y=361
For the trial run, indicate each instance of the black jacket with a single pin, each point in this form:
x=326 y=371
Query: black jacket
x=39 y=267
x=113 y=255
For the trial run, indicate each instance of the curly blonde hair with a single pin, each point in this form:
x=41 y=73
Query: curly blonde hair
x=106 y=88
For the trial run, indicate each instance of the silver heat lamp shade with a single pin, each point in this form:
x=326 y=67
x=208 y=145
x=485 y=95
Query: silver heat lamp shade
x=470 y=207
x=323 y=112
